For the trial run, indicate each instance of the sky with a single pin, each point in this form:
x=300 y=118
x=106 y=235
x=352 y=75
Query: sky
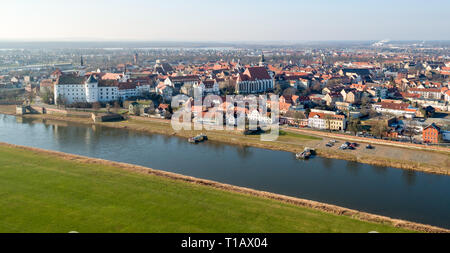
x=224 y=21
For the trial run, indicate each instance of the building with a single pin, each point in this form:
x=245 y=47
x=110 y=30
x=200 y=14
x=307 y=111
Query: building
x=209 y=86
x=432 y=134
x=350 y=95
x=331 y=98
x=72 y=89
x=166 y=91
x=320 y=120
x=254 y=80
x=108 y=91
x=398 y=109
x=127 y=90
x=447 y=95
x=177 y=82
x=429 y=93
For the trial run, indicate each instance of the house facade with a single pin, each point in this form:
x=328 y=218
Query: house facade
x=73 y=89
x=398 y=109
x=431 y=134
x=323 y=121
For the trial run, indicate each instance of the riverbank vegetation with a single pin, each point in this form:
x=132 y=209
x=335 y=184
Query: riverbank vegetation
x=43 y=192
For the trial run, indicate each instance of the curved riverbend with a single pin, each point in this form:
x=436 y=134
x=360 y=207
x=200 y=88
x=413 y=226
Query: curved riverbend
x=391 y=192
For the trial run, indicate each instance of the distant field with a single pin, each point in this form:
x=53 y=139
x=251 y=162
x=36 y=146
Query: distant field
x=43 y=193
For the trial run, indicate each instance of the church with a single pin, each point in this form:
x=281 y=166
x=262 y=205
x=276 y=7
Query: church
x=254 y=80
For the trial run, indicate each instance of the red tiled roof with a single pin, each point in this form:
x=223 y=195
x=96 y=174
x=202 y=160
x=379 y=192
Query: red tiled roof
x=127 y=86
x=424 y=90
x=393 y=106
x=323 y=115
x=254 y=73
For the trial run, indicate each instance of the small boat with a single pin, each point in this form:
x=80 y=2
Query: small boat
x=306 y=154
x=198 y=138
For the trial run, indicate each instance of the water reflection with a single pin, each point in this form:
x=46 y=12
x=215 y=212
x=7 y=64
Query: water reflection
x=380 y=170
x=409 y=176
x=353 y=167
x=244 y=152
x=327 y=163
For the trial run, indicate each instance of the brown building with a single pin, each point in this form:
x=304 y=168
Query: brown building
x=431 y=134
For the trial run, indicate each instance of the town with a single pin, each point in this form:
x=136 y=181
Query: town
x=225 y=125
x=398 y=92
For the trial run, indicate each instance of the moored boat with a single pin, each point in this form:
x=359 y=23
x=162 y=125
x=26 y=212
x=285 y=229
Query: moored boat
x=306 y=154
x=198 y=138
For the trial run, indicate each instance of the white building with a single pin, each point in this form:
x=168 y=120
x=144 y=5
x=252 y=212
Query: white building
x=107 y=93
x=208 y=87
x=165 y=91
x=72 y=89
x=176 y=82
x=447 y=96
x=256 y=116
x=397 y=109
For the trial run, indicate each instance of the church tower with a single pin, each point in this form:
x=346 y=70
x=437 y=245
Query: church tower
x=81 y=61
x=262 y=61
x=136 y=58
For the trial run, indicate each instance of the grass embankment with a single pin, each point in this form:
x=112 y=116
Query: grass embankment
x=42 y=192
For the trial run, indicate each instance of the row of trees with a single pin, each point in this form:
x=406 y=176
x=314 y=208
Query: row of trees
x=378 y=129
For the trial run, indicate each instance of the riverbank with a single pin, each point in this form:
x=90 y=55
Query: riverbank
x=387 y=156
x=48 y=191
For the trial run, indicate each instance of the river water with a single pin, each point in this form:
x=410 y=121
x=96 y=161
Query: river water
x=392 y=192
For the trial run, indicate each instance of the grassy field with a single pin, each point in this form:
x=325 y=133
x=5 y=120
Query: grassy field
x=45 y=193
x=297 y=135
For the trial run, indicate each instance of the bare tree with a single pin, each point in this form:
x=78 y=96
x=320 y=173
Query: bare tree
x=96 y=106
x=379 y=128
x=116 y=107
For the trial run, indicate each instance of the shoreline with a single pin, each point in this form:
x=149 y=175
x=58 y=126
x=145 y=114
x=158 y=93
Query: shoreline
x=240 y=140
x=323 y=207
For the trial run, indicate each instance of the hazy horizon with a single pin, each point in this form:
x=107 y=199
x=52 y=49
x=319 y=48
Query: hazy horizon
x=231 y=21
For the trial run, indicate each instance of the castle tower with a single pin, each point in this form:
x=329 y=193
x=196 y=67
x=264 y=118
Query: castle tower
x=91 y=88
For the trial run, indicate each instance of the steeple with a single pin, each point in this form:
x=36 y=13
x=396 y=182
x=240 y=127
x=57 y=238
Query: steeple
x=262 y=61
x=136 y=58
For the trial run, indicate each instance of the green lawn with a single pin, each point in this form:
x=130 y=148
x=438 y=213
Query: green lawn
x=41 y=193
x=297 y=135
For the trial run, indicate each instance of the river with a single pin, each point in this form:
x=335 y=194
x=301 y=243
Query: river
x=409 y=195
